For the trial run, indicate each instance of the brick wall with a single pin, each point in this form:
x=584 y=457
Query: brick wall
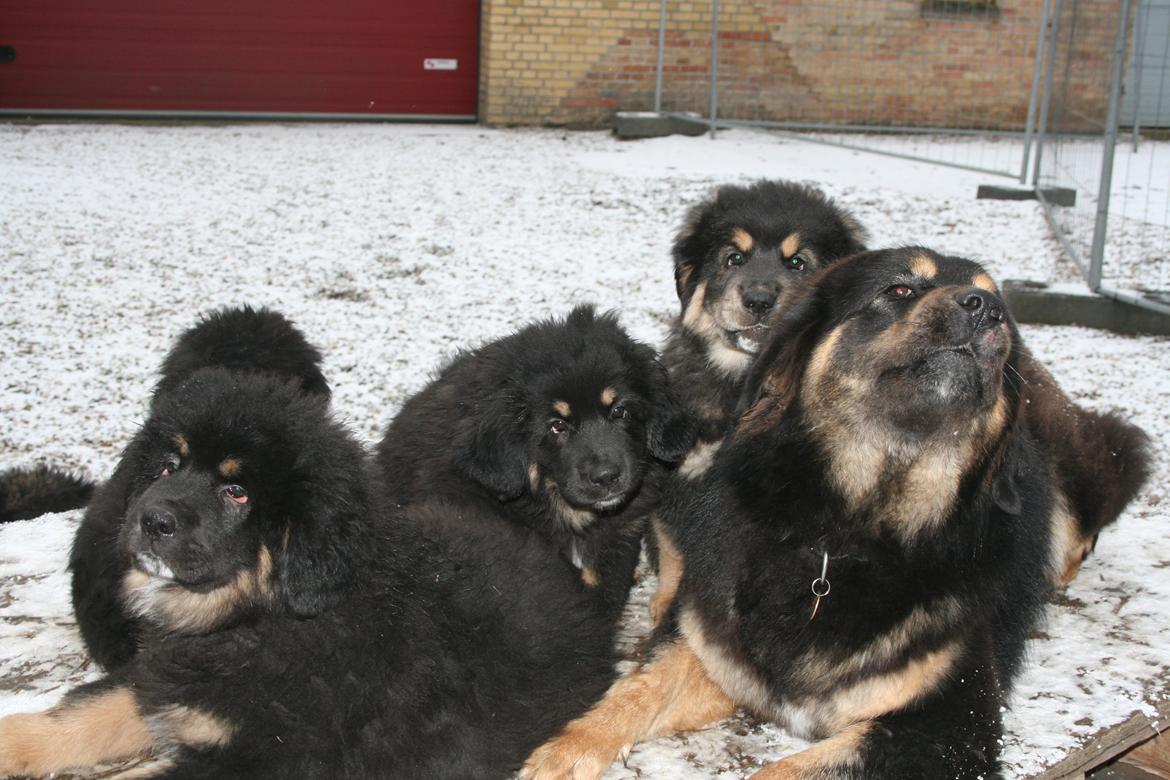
x=873 y=62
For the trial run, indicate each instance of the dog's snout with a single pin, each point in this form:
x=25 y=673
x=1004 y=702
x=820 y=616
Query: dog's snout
x=158 y=523
x=604 y=474
x=981 y=306
x=758 y=301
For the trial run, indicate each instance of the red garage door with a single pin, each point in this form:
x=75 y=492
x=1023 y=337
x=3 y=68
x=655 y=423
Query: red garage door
x=346 y=57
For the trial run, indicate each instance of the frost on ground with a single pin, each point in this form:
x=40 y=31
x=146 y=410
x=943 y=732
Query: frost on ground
x=392 y=245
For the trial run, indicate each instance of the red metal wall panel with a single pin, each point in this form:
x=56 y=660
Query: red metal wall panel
x=344 y=56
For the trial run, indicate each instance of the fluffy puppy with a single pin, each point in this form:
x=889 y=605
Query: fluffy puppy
x=868 y=550
x=735 y=255
x=563 y=428
x=244 y=341
x=292 y=626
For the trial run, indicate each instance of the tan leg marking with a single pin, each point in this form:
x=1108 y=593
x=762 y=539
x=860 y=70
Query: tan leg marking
x=670 y=571
x=194 y=728
x=699 y=459
x=79 y=734
x=842 y=750
x=670 y=693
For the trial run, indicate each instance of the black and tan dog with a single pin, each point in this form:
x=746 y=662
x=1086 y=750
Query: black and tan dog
x=241 y=340
x=563 y=427
x=869 y=547
x=291 y=624
x=735 y=255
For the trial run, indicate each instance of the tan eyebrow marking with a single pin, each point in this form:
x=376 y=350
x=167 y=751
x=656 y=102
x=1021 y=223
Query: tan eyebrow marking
x=984 y=282
x=608 y=395
x=790 y=246
x=562 y=408
x=923 y=266
x=182 y=445
x=230 y=467
x=743 y=240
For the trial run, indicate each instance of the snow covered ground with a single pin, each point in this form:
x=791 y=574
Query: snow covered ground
x=392 y=245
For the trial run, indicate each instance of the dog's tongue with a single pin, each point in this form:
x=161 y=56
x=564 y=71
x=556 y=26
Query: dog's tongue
x=750 y=339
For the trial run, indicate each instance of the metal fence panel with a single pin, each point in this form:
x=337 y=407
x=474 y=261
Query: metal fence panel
x=914 y=78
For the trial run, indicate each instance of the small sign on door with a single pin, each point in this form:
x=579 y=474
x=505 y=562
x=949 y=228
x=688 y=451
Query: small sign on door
x=437 y=64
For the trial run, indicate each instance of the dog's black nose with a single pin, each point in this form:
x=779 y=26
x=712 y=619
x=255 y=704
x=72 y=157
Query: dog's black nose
x=157 y=523
x=605 y=474
x=980 y=305
x=758 y=302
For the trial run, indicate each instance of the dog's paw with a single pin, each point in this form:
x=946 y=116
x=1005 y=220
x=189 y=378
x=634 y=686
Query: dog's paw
x=16 y=746
x=577 y=754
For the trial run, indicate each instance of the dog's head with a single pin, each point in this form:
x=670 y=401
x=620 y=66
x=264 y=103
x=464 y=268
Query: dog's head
x=895 y=362
x=246 y=495
x=575 y=409
x=740 y=249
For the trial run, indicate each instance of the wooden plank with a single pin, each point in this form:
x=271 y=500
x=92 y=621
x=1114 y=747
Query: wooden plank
x=1111 y=742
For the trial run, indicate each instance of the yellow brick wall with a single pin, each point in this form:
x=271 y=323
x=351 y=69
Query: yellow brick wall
x=871 y=62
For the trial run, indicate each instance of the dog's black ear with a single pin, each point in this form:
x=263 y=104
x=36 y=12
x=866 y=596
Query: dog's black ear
x=775 y=377
x=490 y=445
x=1005 y=491
x=327 y=511
x=671 y=430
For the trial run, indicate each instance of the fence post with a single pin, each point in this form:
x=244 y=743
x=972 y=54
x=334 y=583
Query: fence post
x=1034 y=97
x=661 y=48
x=1097 y=253
x=1139 y=50
x=1045 y=104
x=714 y=63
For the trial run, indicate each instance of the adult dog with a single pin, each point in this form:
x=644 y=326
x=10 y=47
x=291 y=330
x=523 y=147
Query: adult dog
x=870 y=546
x=292 y=626
x=563 y=428
x=736 y=254
x=242 y=340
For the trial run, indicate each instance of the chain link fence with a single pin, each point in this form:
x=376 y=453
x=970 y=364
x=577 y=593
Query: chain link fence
x=947 y=81
x=1118 y=229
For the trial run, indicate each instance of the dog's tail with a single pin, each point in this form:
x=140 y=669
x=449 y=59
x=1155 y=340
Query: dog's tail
x=27 y=493
x=245 y=339
x=1108 y=467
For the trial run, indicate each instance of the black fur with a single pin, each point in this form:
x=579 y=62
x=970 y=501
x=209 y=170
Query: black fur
x=243 y=340
x=475 y=432
x=769 y=211
x=754 y=529
x=29 y=493
x=368 y=649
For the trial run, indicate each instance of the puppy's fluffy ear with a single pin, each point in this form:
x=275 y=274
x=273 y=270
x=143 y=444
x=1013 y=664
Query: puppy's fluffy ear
x=775 y=378
x=327 y=512
x=490 y=445
x=671 y=430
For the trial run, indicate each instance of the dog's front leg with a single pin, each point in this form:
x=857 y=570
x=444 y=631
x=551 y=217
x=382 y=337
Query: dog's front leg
x=89 y=728
x=670 y=693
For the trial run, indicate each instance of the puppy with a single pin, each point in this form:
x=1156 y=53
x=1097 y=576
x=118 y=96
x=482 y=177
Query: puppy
x=243 y=340
x=870 y=546
x=563 y=428
x=290 y=624
x=736 y=254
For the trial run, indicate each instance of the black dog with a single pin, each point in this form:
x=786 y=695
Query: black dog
x=292 y=626
x=562 y=427
x=870 y=547
x=734 y=256
x=243 y=340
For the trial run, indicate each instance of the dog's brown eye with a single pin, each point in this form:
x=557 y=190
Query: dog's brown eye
x=236 y=494
x=735 y=258
x=900 y=291
x=557 y=427
x=619 y=413
x=795 y=263
x=169 y=466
